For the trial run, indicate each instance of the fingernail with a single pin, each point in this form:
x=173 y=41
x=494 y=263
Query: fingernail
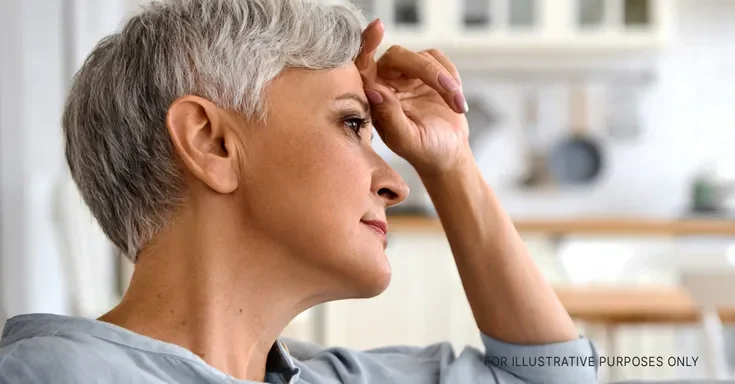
x=372 y=23
x=461 y=103
x=447 y=82
x=374 y=96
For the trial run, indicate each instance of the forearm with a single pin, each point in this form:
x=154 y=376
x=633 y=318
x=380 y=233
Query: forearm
x=509 y=296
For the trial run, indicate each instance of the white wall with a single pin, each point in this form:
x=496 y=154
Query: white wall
x=698 y=80
x=32 y=91
x=43 y=43
x=688 y=120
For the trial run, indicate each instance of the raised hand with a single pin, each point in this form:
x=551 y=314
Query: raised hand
x=417 y=103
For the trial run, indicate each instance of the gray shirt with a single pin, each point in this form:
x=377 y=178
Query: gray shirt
x=45 y=348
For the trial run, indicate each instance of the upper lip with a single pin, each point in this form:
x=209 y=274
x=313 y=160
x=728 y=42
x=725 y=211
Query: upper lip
x=382 y=225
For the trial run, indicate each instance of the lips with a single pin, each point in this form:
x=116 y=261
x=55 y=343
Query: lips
x=378 y=226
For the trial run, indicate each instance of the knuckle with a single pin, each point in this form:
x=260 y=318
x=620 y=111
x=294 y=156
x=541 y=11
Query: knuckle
x=394 y=49
x=427 y=65
x=434 y=52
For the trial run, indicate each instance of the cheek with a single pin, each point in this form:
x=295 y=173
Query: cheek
x=338 y=176
x=324 y=177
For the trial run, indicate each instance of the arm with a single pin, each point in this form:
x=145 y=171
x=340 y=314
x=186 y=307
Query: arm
x=510 y=298
x=418 y=109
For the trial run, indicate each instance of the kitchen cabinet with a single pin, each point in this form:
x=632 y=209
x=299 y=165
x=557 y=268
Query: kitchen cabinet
x=492 y=27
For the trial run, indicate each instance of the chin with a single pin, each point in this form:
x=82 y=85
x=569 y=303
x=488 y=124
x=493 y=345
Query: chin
x=369 y=279
x=374 y=286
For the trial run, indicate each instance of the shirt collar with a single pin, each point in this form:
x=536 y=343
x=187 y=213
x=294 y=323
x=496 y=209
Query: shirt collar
x=280 y=364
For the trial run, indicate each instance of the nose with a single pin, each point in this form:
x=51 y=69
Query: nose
x=388 y=184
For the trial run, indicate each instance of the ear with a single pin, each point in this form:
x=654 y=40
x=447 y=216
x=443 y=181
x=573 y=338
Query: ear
x=204 y=141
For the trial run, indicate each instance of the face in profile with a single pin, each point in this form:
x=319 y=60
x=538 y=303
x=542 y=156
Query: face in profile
x=314 y=186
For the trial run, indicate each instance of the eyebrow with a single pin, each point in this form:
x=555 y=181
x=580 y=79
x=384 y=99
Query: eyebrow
x=360 y=99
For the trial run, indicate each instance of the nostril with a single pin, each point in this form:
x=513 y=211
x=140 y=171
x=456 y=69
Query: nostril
x=387 y=193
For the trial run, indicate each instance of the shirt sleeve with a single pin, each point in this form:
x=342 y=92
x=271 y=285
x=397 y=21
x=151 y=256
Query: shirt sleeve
x=570 y=362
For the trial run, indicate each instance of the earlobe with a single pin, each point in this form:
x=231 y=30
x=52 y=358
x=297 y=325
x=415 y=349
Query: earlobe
x=202 y=139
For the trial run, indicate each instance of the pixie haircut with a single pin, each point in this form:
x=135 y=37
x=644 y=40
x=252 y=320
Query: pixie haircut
x=116 y=143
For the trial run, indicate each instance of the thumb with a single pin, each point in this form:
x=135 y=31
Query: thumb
x=387 y=113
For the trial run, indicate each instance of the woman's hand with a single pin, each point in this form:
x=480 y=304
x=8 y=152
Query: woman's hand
x=417 y=104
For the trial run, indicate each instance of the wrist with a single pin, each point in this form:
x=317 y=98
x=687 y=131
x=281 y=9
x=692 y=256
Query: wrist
x=459 y=195
x=462 y=166
x=454 y=183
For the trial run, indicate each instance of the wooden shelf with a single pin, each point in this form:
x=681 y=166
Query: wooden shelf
x=613 y=226
x=634 y=305
x=612 y=305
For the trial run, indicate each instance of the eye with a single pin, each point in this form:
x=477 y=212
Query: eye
x=356 y=124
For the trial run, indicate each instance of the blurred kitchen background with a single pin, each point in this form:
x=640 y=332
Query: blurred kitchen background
x=607 y=128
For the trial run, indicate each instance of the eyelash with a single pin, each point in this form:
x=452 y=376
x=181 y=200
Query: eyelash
x=361 y=123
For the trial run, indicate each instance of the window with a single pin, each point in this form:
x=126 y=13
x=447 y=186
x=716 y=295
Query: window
x=636 y=12
x=476 y=13
x=407 y=12
x=522 y=13
x=591 y=12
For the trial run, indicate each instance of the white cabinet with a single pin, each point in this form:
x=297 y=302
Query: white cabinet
x=475 y=27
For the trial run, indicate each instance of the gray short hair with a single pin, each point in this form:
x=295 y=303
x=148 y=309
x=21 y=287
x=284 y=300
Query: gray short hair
x=227 y=51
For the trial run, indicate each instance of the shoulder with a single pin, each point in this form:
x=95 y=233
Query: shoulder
x=62 y=358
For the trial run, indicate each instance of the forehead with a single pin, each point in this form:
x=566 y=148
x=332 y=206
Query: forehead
x=311 y=87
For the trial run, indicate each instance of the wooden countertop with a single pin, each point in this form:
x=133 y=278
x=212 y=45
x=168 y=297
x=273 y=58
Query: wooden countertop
x=634 y=305
x=601 y=226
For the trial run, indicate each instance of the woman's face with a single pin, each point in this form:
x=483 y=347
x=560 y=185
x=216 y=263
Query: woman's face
x=315 y=187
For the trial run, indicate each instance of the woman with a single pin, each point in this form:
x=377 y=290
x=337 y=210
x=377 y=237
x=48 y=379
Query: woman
x=225 y=147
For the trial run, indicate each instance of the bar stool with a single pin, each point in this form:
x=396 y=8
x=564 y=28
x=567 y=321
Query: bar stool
x=709 y=292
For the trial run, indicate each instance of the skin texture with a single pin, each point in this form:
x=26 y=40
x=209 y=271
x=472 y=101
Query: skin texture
x=275 y=217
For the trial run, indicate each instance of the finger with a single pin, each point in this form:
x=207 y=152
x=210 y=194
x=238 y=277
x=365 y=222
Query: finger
x=446 y=63
x=432 y=58
x=399 y=60
x=459 y=100
x=389 y=73
x=386 y=112
x=372 y=36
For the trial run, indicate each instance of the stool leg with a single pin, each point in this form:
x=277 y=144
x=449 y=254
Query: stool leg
x=715 y=344
x=611 y=343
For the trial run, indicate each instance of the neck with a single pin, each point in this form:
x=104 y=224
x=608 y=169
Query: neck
x=195 y=288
